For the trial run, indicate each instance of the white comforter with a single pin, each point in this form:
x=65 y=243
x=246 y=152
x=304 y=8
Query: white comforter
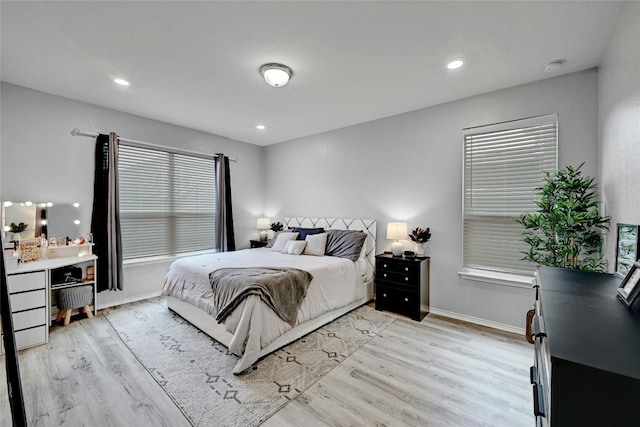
x=336 y=283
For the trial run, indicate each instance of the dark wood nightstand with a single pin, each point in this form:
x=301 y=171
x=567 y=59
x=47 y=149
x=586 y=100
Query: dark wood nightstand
x=402 y=284
x=258 y=243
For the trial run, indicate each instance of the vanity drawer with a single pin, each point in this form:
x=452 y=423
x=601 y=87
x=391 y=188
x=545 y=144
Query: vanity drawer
x=27 y=338
x=28 y=300
x=26 y=282
x=31 y=337
x=30 y=318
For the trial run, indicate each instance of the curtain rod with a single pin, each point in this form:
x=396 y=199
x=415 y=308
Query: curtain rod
x=142 y=144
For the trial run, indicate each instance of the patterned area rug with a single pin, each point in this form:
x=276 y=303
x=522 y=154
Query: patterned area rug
x=196 y=371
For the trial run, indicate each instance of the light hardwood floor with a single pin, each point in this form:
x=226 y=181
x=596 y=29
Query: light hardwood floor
x=435 y=373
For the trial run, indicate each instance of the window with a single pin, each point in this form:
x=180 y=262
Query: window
x=503 y=165
x=167 y=202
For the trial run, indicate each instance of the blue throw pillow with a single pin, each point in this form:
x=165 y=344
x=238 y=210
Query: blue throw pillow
x=304 y=232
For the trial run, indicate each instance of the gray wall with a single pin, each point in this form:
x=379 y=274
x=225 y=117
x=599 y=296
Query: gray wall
x=41 y=161
x=409 y=167
x=619 y=81
x=406 y=167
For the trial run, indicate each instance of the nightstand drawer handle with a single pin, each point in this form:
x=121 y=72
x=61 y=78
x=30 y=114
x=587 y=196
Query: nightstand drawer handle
x=406 y=279
x=384 y=295
x=384 y=274
x=384 y=265
x=406 y=299
x=406 y=269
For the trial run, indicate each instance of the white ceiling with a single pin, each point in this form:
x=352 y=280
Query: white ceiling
x=195 y=64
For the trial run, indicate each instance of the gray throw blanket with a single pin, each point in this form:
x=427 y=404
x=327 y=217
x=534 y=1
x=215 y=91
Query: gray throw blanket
x=282 y=289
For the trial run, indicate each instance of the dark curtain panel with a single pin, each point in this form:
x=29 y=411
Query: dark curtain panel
x=105 y=218
x=225 y=240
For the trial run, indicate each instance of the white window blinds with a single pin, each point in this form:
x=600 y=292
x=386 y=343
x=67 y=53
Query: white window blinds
x=503 y=165
x=167 y=202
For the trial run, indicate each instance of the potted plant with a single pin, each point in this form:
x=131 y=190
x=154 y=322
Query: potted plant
x=17 y=229
x=420 y=237
x=567 y=229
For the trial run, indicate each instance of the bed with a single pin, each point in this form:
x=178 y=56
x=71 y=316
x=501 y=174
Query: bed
x=252 y=329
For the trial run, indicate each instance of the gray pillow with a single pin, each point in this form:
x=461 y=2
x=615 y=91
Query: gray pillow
x=345 y=243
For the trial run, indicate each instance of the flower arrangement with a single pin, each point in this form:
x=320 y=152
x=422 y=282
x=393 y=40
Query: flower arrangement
x=276 y=226
x=419 y=235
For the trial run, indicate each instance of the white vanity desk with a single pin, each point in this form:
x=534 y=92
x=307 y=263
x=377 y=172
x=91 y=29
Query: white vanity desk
x=30 y=291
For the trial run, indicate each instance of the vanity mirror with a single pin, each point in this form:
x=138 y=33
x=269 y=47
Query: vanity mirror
x=49 y=219
x=23 y=220
x=63 y=220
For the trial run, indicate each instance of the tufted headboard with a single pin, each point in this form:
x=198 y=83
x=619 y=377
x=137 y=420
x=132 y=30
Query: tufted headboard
x=366 y=225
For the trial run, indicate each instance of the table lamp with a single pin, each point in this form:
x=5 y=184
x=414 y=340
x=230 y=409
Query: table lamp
x=397 y=231
x=263 y=224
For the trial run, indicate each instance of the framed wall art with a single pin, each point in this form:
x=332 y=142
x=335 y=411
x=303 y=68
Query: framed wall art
x=626 y=248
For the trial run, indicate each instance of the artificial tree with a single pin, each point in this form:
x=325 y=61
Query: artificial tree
x=567 y=229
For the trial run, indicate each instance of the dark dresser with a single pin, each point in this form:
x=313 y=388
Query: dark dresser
x=402 y=284
x=258 y=243
x=587 y=351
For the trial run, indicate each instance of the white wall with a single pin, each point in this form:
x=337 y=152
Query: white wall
x=42 y=161
x=619 y=90
x=409 y=167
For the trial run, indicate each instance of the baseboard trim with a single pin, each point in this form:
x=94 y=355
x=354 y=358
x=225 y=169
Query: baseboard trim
x=476 y=320
x=128 y=300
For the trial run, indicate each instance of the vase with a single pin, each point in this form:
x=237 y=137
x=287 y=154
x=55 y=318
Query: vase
x=419 y=248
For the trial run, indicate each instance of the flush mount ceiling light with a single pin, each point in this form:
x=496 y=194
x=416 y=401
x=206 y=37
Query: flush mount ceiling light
x=276 y=75
x=121 y=82
x=454 y=64
x=554 y=65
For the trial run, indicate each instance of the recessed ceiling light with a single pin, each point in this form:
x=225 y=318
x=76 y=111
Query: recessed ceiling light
x=260 y=127
x=554 y=65
x=121 y=82
x=456 y=63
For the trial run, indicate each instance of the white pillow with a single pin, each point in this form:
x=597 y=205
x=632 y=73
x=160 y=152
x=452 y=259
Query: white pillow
x=294 y=247
x=316 y=244
x=282 y=240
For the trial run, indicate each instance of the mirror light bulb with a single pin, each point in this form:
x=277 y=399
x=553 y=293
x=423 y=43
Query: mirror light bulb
x=76 y=205
x=76 y=222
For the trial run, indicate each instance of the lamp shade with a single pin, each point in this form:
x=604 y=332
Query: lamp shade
x=397 y=230
x=263 y=223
